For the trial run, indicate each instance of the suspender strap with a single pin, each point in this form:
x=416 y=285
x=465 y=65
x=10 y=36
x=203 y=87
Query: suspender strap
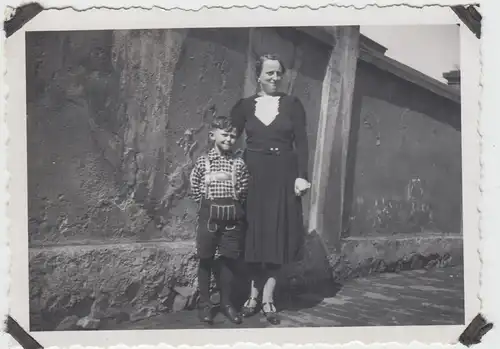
x=234 y=179
x=207 y=172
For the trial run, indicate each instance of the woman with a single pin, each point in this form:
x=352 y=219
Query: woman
x=277 y=158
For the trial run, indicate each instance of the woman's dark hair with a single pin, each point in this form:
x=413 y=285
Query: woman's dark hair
x=268 y=57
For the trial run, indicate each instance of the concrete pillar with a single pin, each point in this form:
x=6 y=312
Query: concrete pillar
x=333 y=133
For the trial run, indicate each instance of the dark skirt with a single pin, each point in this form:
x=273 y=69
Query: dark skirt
x=275 y=229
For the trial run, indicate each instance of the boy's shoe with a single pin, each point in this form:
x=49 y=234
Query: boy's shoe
x=205 y=313
x=231 y=314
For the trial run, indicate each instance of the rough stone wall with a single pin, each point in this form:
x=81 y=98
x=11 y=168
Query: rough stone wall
x=86 y=286
x=405 y=153
x=67 y=174
x=361 y=256
x=111 y=145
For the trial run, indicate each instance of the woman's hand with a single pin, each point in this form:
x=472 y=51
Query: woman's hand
x=301 y=186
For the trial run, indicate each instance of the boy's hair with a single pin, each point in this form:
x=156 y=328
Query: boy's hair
x=222 y=122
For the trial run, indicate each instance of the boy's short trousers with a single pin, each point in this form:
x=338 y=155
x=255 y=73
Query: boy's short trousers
x=220 y=227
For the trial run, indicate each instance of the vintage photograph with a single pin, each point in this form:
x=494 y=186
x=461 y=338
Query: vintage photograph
x=244 y=177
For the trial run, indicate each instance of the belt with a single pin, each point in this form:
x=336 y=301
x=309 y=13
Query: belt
x=270 y=151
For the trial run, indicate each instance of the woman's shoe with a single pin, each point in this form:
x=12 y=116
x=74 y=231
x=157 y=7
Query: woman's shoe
x=247 y=310
x=271 y=315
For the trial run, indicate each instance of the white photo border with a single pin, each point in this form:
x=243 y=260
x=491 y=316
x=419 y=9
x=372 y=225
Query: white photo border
x=17 y=169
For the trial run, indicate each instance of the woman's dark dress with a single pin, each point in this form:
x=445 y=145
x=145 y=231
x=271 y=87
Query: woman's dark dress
x=275 y=231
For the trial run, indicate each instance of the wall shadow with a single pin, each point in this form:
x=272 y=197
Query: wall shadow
x=300 y=285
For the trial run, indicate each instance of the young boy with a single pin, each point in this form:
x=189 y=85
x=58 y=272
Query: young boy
x=219 y=184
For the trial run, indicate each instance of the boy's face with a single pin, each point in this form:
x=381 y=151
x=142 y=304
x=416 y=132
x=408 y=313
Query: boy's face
x=224 y=139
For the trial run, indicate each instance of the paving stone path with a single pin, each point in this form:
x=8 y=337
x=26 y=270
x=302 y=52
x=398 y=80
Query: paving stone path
x=418 y=297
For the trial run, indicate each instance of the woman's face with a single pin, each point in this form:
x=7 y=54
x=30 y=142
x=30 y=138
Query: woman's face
x=270 y=76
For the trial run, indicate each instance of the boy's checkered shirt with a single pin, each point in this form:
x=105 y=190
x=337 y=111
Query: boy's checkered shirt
x=219 y=189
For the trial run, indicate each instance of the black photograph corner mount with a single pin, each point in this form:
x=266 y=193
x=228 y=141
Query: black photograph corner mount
x=477 y=328
x=22 y=337
x=470 y=16
x=23 y=14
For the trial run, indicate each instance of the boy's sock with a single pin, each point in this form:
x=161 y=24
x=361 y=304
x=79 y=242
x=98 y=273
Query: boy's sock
x=204 y=275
